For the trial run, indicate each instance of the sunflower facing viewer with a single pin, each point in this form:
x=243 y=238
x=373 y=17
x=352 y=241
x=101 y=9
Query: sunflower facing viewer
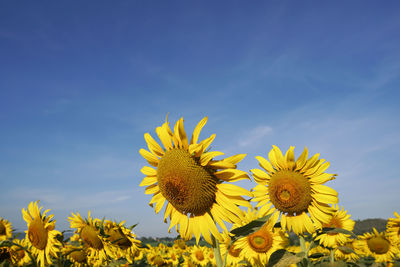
x=294 y=188
x=191 y=183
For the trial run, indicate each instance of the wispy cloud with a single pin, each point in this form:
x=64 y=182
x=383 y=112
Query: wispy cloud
x=255 y=136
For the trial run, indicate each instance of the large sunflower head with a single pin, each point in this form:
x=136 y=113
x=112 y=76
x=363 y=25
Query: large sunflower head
x=258 y=246
x=41 y=234
x=5 y=229
x=91 y=231
x=340 y=219
x=378 y=245
x=295 y=188
x=122 y=238
x=187 y=177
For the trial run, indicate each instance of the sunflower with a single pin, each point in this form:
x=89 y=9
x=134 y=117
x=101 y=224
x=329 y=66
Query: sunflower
x=258 y=246
x=19 y=256
x=340 y=219
x=41 y=234
x=76 y=254
x=191 y=182
x=199 y=255
x=295 y=188
x=393 y=229
x=98 y=248
x=378 y=245
x=342 y=253
x=122 y=238
x=5 y=229
x=234 y=256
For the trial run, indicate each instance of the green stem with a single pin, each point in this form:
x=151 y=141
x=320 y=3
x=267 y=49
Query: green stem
x=217 y=252
x=332 y=256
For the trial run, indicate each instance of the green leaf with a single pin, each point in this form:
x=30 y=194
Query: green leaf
x=249 y=228
x=346 y=250
x=282 y=258
x=338 y=230
x=316 y=255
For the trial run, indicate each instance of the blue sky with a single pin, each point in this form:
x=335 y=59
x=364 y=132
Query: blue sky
x=81 y=82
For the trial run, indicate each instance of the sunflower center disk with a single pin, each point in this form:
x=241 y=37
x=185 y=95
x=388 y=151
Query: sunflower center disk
x=89 y=236
x=378 y=245
x=260 y=241
x=187 y=185
x=2 y=229
x=37 y=234
x=199 y=255
x=234 y=252
x=290 y=192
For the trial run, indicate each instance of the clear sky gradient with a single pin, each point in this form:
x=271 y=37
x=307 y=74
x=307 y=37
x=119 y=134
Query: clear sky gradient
x=82 y=81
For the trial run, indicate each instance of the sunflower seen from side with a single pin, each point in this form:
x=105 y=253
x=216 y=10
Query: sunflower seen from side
x=393 y=229
x=257 y=247
x=123 y=240
x=349 y=251
x=294 y=188
x=5 y=229
x=232 y=255
x=188 y=179
x=99 y=250
x=340 y=219
x=19 y=256
x=378 y=245
x=41 y=234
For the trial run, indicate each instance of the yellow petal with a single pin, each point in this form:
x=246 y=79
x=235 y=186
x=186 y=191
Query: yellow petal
x=164 y=136
x=148 y=171
x=265 y=164
x=221 y=164
x=235 y=159
x=231 y=175
x=233 y=190
x=206 y=157
x=154 y=147
x=182 y=135
x=279 y=157
x=197 y=130
x=302 y=160
x=290 y=160
x=151 y=159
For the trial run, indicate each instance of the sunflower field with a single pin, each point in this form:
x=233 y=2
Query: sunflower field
x=218 y=223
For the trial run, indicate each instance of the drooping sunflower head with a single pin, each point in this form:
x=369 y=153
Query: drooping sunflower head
x=258 y=246
x=378 y=245
x=99 y=249
x=294 y=188
x=340 y=219
x=41 y=234
x=190 y=180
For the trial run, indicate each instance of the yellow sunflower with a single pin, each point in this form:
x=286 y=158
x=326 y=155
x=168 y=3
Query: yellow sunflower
x=340 y=219
x=19 y=256
x=342 y=253
x=393 y=229
x=199 y=255
x=257 y=247
x=234 y=256
x=378 y=245
x=76 y=254
x=122 y=238
x=191 y=182
x=295 y=188
x=41 y=234
x=99 y=249
x=5 y=229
